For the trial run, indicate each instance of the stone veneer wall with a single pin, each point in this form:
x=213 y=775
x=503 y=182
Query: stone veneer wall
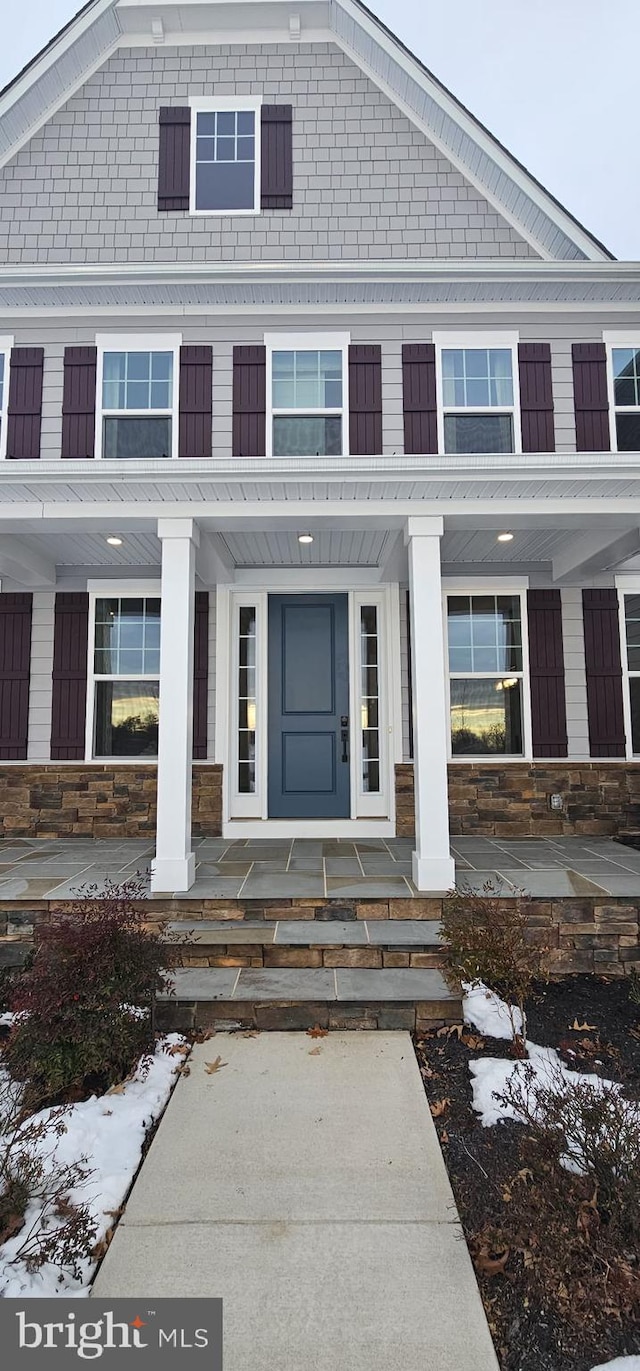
x=97 y=801
x=512 y=799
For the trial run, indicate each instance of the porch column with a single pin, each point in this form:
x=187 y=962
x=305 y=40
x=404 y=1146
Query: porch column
x=433 y=867
x=174 y=863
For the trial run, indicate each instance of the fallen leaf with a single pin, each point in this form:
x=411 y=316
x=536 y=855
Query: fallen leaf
x=315 y=1052
x=115 y=1213
x=444 y=1136
x=212 y=1067
x=203 y=1035
x=450 y=1029
x=117 y=1089
x=438 y=1107
x=177 y=1050
x=317 y=1032
x=252 y=1033
x=582 y=1027
x=184 y=1070
x=474 y=1041
x=492 y=1264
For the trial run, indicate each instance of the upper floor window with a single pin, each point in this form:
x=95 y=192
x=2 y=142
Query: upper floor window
x=308 y=399
x=486 y=674
x=225 y=152
x=625 y=363
x=138 y=390
x=478 y=401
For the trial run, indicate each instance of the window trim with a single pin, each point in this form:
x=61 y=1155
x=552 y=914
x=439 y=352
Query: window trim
x=307 y=342
x=611 y=340
x=203 y=104
x=491 y=586
x=122 y=590
x=509 y=340
x=139 y=342
x=6 y=344
x=626 y=585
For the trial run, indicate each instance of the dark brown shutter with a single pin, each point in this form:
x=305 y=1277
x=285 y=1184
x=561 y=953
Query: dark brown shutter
x=24 y=415
x=590 y=397
x=249 y=401
x=276 y=166
x=536 y=397
x=419 y=402
x=365 y=399
x=79 y=402
x=604 y=673
x=200 y=675
x=70 y=633
x=15 y=663
x=174 y=158
x=546 y=671
x=196 y=382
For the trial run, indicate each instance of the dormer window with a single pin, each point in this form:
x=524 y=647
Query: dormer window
x=226 y=173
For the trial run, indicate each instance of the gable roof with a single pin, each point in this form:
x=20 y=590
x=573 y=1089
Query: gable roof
x=101 y=27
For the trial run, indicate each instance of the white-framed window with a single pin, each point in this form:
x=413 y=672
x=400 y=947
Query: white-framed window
x=488 y=671
x=137 y=401
x=6 y=345
x=124 y=673
x=248 y=701
x=478 y=392
x=629 y=600
x=307 y=395
x=623 y=379
x=225 y=156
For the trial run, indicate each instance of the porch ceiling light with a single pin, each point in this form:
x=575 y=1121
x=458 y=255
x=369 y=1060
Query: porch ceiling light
x=114 y=541
x=305 y=537
x=505 y=537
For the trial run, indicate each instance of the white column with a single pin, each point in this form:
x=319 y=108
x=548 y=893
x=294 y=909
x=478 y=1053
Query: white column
x=174 y=863
x=433 y=867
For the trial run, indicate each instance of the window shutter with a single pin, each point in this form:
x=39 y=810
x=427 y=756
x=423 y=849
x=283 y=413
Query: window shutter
x=604 y=673
x=15 y=665
x=200 y=675
x=70 y=642
x=591 y=398
x=79 y=402
x=249 y=401
x=174 y=158
x=419 y=401
x=536 y=397
x=276 y=157
x=365 y=399
x=546 y=672
x=24 y=414
x=196 y=417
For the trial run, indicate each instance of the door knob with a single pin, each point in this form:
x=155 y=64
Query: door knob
x=344 y=736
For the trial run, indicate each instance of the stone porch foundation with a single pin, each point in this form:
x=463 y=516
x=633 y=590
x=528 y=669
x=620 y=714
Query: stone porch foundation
x=511 y=799
x=98 y=801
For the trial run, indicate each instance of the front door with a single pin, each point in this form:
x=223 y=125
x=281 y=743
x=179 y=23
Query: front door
x=309 y=707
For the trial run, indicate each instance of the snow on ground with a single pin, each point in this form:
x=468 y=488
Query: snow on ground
x=484 y=1010
x=491 y=1074
x=109 y=1131
x=620 y=1364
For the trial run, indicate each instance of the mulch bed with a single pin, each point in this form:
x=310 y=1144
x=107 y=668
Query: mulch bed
x=482 y=1161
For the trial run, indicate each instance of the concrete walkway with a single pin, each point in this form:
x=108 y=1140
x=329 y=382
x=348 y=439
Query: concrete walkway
x=303 y=1182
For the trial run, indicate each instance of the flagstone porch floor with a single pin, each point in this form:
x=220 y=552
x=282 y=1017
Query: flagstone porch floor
x=302 y=868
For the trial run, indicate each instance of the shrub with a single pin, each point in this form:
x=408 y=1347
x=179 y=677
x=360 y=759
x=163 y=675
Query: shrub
x=489 y=940
x=86 y=1001
x=38 y=1218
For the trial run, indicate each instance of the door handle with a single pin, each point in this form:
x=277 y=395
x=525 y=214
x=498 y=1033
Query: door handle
x=344 y=736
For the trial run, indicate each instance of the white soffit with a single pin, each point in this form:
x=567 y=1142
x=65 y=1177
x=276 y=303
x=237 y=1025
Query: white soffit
x=106 y=25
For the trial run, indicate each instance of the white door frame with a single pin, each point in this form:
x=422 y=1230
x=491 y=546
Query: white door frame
x=247 y=815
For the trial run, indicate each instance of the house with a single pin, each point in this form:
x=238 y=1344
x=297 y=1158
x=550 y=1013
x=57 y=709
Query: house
x=320 y=434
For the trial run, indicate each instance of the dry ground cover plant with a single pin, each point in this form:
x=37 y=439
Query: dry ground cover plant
x=551 y=1204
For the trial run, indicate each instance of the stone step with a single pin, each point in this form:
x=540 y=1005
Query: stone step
x=374 y=945
x=295 y=998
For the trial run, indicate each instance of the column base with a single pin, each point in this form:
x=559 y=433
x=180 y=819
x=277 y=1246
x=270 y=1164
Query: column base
x=172 y=873
x=433 y=875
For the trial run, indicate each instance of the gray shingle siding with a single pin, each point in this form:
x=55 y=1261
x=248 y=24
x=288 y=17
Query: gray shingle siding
x=367 y=183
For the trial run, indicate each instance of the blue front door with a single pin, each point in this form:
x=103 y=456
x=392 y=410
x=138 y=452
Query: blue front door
x=309 y=707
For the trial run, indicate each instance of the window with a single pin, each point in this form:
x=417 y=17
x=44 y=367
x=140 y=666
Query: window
x=370 y=698
x=632 y=643
x=247 y=699
x=478 y=396
x=138 y=384
x=308 y=397
x=486 y=674
x=625 y=363
x=225 y=171
x=126 y=676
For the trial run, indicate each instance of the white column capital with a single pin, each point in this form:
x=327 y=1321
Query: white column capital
x=179 y=528
x=424 y=526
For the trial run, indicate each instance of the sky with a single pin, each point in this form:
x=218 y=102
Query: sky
x=555 y=80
